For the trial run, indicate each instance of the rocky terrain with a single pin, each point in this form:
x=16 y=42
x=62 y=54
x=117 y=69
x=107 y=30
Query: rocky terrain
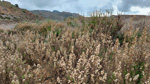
x=12 y=13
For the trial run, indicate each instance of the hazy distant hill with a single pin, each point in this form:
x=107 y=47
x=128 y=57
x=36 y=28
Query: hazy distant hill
x=55 y=15
x=9 y=12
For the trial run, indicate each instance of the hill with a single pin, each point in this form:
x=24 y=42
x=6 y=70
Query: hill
x=11 y=13
x=55 y=15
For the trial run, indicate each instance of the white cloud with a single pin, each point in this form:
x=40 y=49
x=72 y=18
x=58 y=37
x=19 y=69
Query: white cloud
x=71 y=5
x=140 y=10
x=86 y=6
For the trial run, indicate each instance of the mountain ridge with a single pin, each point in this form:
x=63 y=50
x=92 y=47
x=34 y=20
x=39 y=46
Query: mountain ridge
x=55 y=14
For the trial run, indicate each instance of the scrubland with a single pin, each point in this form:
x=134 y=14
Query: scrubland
x=75 y=51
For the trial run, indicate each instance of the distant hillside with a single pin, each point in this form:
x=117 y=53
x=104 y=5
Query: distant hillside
x=9 y=12
x=55 y=15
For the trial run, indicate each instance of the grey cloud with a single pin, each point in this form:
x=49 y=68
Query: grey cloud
x=108 y=6
x=64 y=5
x=46 y=4
x=51 y=3
x=125 y=5
x=41 y=3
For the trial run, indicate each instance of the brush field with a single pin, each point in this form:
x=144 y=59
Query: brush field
x=94 y=50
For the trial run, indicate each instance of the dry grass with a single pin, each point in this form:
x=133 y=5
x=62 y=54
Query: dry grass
x=88 y=53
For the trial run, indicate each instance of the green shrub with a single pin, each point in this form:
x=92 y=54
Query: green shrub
x=17 y=5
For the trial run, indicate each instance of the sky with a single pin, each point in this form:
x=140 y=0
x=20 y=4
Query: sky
x=85 y=7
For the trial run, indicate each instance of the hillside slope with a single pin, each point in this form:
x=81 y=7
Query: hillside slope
x=55 y=15
x=11 y=13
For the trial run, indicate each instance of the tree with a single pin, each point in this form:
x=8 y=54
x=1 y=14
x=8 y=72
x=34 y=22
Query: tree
x=17 y=5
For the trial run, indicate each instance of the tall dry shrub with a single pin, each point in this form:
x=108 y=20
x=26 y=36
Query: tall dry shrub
x=88 y=53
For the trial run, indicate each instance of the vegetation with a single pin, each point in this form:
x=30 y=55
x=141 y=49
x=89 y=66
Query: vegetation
x=17 y=5
x=55 y=15
x=75 y=51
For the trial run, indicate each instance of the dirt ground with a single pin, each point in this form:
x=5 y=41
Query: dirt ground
x=8 y=26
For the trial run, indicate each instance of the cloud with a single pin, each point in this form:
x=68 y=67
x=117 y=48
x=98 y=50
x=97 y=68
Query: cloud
x=126 y=5
x=40 y=4
x=85 y=6
x=63 y=5
x=141 y=11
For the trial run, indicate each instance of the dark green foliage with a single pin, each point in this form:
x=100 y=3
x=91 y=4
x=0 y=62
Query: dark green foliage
x=107 y=24
x=1 y=30
x=71 y=79
x=139 y=34
x=121 y=38
x=111 y=78
x=57 y=32
x=111 y=55
x=17 y=5
x=24 y=11
x=138 y=69
x=73 y=35
x=45 y=30
x=129 y=39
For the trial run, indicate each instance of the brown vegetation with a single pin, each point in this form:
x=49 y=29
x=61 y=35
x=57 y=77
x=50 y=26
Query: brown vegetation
x=76 y=51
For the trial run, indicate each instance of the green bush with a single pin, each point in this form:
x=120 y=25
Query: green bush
x=17 y=5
